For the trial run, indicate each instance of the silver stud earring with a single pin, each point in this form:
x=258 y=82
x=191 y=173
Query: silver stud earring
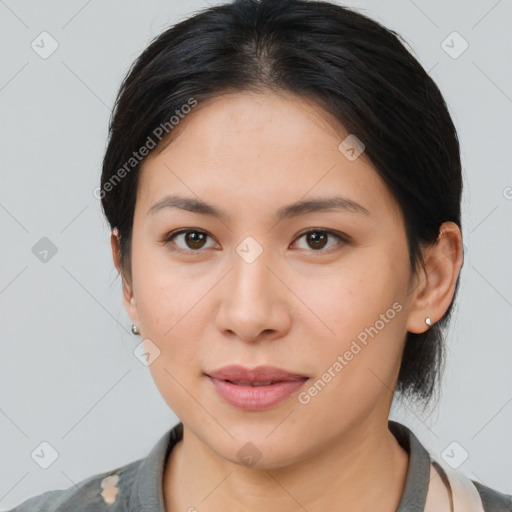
x=428 y=321
x=135 y=329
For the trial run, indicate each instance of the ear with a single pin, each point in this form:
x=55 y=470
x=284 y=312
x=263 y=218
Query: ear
x=435 y=285
x=129 y=302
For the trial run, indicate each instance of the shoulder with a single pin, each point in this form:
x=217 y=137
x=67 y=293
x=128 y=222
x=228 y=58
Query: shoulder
x=127 y=488
x=493 y=500
x=110 y=491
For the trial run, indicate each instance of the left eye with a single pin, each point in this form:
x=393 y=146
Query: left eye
x=317 y=238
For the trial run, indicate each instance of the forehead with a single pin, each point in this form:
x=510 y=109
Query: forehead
x=260 y=147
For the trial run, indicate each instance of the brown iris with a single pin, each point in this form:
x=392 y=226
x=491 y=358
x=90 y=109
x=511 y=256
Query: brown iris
x=316 y=239
x=195 y=239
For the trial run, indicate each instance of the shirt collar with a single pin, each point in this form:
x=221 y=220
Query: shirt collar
x=147 y=490
x=414 y=496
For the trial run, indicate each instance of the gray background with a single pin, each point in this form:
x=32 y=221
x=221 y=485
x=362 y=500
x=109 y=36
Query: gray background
x=68 y=374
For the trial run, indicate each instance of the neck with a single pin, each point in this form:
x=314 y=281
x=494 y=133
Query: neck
x=365 y=469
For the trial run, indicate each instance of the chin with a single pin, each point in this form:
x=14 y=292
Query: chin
x=257 y=447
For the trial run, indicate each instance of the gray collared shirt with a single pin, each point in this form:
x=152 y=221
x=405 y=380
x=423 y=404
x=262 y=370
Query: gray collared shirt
x=137 y=486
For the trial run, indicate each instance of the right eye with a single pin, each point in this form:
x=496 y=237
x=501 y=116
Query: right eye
x=193 y=239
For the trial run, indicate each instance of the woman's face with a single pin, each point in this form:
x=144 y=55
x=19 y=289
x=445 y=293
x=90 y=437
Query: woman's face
x=252 y=288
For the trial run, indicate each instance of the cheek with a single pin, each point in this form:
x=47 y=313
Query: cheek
x=357 y=368
x=171 y=323
x=159 y=290
x=354 y=298
x=171 y=306
x=366 y=317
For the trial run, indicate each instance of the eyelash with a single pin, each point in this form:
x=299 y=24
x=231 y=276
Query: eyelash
x=340 y=236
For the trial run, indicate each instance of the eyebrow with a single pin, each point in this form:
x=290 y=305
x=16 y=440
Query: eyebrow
x=292 y=210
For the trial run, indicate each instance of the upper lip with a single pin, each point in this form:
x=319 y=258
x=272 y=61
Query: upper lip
x=257 y=374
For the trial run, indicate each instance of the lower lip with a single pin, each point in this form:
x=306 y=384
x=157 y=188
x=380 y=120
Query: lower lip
x=256 y=398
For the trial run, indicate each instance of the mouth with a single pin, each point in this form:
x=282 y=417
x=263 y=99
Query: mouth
x=253 y=383
x=256 y=389
x=260 y=375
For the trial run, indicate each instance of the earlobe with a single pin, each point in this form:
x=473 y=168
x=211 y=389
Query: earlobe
x=129 y=302
x=434 y=293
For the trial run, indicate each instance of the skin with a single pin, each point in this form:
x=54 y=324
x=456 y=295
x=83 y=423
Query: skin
x=294 y=307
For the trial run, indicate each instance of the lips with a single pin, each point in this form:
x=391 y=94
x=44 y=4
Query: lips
x=255 y=389
x=259 y=376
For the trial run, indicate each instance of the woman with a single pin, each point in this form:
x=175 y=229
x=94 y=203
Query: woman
x=283 y=184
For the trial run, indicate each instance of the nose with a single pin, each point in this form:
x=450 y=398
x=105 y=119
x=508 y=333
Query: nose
x=252 y=303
